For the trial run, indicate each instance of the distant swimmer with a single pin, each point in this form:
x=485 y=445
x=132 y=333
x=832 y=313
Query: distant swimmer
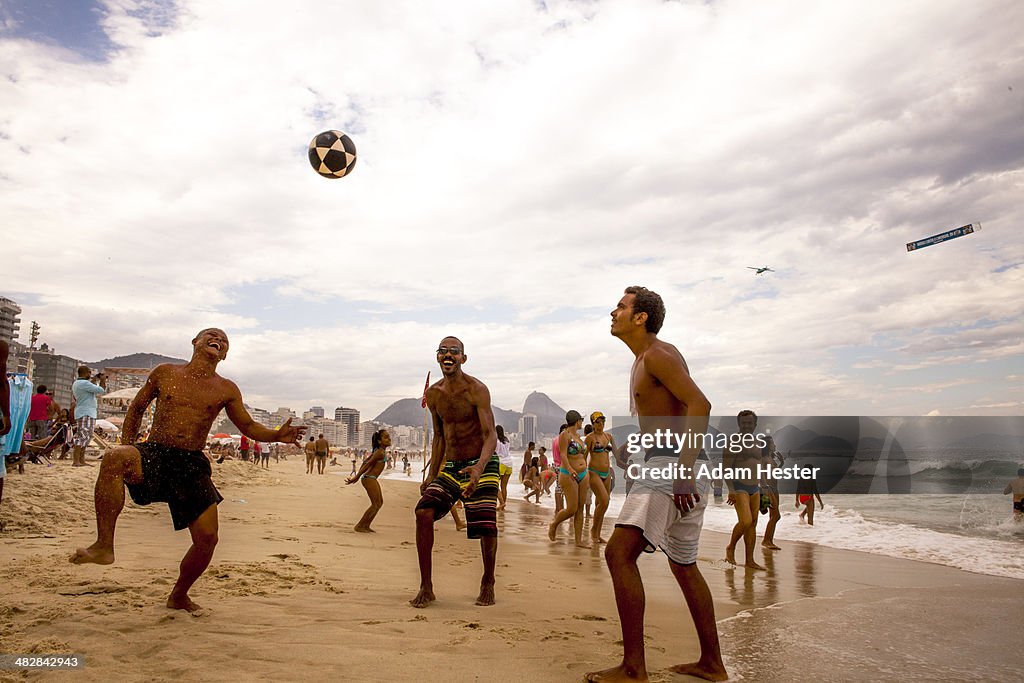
x=761 y=270
x=368 y=473
x=170 y=466
x=463 y=466
x=806 y=492
x=770 y=488
x=1016 y=487
x=744 y=494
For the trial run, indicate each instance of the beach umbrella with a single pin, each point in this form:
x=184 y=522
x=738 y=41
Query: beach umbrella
x=106 y=425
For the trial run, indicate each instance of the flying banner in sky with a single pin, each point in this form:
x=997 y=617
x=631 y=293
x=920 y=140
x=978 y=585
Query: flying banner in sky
x=943 y=236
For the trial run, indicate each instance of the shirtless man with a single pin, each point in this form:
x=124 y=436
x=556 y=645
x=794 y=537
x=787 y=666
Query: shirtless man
x=657 y=514
x=310 y=449
x=744 y=493
x=322 y=449
x=170 y=466
x=464 y=443
x=1016 y=487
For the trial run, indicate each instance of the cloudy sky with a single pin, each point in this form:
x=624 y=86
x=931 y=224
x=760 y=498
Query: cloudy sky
x=520 y=163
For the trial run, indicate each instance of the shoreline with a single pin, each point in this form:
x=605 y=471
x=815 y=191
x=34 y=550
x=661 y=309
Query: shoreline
x=293 y=593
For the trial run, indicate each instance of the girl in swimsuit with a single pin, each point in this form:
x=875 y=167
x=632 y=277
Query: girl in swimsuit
x=506 y=463
x=548 y=477
x=572 y=475
x=599 y=444
x=532 y=481
x=371 y=469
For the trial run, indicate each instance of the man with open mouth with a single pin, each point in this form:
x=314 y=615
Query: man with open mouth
x=462 y=465
x=170 y=466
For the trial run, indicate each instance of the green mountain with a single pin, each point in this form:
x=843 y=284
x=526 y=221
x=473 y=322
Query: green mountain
x=134 y=360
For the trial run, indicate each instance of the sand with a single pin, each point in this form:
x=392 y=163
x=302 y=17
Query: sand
x=294 y=593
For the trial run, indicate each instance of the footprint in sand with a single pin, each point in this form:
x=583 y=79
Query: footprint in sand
x=564 y=635
x=91 y=589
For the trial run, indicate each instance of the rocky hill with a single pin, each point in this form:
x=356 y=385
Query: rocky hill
x=134 y=360
x=407 y=411
x=550 y=415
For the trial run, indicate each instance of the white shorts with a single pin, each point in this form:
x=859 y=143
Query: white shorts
x=661 y=523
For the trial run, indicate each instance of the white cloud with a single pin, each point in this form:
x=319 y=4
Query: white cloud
x=538 y=162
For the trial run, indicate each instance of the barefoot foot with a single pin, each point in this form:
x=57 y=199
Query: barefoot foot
x=582 y=544
x=700 y=670
x=94 y=554
x=730 y=555
x=423 y=598
x=750 y=564
x=619 y=673
x=363 y=529
x=182 y=602
x=486 y=596
x=551 y=531
x=770 y=546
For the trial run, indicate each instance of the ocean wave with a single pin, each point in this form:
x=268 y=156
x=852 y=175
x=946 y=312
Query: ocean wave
x=976 y=468
x=850 y=530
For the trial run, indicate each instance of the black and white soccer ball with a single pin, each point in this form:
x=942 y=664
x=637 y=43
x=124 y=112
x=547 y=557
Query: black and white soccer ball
x=332 y=154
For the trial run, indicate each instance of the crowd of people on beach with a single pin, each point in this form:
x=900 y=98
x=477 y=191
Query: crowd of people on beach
x=467 y=473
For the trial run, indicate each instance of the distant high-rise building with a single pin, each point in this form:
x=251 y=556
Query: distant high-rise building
x=261 y=416
x=317 y=411
x=350 y=417
x=58 y=373
x=10 y=320
x=366 y=430
x=17 y=359
x=279 y=417
x=528 y=427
